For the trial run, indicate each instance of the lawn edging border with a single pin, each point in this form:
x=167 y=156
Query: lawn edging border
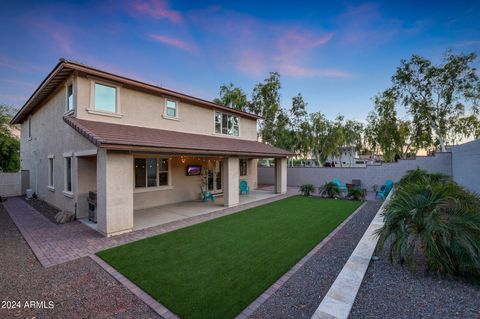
x=339 y=299
x=137 y=291
x=250 y=309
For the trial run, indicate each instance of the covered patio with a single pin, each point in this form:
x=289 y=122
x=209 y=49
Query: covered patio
x=154 y=216
x=147 y=177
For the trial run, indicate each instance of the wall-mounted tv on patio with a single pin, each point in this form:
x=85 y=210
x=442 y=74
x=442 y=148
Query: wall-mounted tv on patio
x=194 y=170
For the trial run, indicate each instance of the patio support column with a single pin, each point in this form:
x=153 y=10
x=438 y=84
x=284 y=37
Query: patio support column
x=281 y=175
x=114 y=192
x=231 y=181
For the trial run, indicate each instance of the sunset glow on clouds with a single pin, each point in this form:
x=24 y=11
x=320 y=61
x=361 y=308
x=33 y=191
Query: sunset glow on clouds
x=337 y=55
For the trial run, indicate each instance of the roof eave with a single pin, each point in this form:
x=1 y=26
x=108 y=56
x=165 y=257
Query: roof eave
x=19 y=116
x=188 y=151
x=63 y=63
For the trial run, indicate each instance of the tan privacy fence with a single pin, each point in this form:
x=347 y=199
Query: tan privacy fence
x=370 y=175
x=13 y=184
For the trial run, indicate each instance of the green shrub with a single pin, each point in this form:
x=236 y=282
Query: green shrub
x=356 y=193
x=436 y=218
x=307 y=189
x=330 y=190
x=419 y=175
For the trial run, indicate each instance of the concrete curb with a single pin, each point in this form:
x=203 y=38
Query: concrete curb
x=146 y=298
x=248 y=311
x=339 y=299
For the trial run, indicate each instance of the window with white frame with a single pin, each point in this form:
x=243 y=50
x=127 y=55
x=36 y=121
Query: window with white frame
x=69 y=97
x=68 y=174
x=171 y=108
x=50 y=173
x=151 y=172
x=105 y=98
x=243 y=167
x=227 y=124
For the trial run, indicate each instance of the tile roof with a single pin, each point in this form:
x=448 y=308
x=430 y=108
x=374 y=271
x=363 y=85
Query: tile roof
x=136 y=138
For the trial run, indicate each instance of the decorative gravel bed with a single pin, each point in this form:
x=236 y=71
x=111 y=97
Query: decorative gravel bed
x=43 y=207
x=392 y=291
x=300 y=296
x=78 y=289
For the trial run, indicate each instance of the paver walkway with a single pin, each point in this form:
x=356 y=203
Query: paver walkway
x=54 y=244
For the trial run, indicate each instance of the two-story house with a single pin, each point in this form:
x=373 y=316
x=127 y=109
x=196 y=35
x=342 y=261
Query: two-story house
x=133 y=143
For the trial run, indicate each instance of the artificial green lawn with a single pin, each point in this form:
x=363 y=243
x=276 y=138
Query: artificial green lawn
x=217 y=268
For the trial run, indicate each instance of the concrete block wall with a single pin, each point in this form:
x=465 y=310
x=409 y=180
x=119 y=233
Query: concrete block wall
x=371 y=175
x=10 y=184
x=466 y=165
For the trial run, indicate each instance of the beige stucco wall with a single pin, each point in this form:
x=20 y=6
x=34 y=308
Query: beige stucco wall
x=51 y=136
x=231 y=181
x=183 y=187
x=114 y=192
x=143 y=109
x=280 y=175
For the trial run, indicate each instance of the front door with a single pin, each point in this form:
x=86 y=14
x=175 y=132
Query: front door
x=215 y=176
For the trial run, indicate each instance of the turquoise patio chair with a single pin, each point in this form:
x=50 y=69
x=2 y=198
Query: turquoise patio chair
x=206 y=195
x=244 y=188
x=385 y=189
x=341 y=187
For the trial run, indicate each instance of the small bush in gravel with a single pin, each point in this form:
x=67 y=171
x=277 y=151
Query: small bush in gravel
x=330 y=190
x=434 y=217
x=356 y=193
x=307 y=189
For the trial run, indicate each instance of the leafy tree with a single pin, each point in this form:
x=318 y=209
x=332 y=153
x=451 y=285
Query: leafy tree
x=352 y=134
x=266 y=103
x=387 y=133
x=284 y=136
x=9 y=144
x=326 y=136
x=299 y=126
x=337 y=137
x=233 y=97
x=438 y=96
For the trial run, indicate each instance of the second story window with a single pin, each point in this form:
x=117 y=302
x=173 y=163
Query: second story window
x=69 y=97
x=171 y=108
x=105 y=98
x=227 y=124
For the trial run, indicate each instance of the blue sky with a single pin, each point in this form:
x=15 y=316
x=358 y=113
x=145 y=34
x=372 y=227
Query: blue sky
x=337 y=54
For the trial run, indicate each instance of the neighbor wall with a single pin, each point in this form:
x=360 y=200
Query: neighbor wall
x=370 y=175
x=466 y=165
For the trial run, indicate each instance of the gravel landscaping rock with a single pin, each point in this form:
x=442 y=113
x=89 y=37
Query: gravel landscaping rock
x=300 y=296
x=78 y=289
x=43 y=207
x=390 y=291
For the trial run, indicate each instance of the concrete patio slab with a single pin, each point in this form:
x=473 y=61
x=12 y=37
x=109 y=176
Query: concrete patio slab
x=144 y=218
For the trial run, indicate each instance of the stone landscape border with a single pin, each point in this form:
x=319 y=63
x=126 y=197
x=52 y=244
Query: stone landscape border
x=339 y=299
x=142 y=295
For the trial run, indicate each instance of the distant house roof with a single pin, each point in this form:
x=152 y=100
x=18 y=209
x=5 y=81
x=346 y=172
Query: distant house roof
x=136 y=138
x=65 y=68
